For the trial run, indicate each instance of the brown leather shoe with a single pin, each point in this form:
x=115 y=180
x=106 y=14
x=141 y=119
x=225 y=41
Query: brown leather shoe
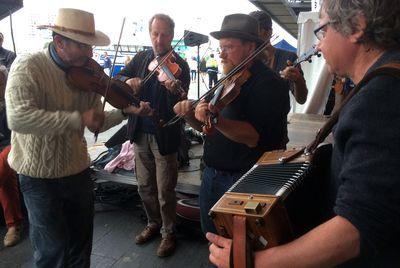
x=147 y=234
x=167 y=246
x=13 y=236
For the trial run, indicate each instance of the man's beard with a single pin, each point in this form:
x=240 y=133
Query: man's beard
x=161 y=50
x=77 y=62
x=227 y=67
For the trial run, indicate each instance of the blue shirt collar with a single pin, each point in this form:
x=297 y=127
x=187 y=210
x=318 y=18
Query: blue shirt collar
x=56 y=58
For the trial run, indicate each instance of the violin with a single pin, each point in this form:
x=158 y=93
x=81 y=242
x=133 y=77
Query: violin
x=166 y=69
x=225 y=94
x=92 y=78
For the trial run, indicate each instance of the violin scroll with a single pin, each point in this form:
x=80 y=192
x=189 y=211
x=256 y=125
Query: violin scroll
x=307 y=56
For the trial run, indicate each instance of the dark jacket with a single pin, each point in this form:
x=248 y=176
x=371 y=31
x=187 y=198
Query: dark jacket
x=6 y=57
x=168 y=138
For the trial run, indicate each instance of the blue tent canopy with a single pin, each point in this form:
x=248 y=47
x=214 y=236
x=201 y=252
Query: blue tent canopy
x=285 y=45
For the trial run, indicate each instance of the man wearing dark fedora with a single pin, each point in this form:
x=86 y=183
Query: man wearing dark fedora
x=47 y=117
x=254 y=122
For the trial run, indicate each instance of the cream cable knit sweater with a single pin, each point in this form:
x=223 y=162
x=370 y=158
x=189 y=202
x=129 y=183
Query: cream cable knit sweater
x=44 y=114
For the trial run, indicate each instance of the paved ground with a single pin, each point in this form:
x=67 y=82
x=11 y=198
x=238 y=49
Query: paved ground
x=116 y=225
x=113 y=246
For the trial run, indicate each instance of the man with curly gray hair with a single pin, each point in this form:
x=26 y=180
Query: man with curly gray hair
x=355 y=37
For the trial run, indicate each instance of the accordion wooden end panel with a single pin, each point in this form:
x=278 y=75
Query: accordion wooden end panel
x=263 y=231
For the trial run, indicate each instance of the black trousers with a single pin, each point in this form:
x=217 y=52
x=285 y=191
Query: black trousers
x=212 y=79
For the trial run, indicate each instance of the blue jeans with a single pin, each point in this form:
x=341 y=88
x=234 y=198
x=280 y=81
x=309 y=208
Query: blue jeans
x=60 y=215
x=213 y=186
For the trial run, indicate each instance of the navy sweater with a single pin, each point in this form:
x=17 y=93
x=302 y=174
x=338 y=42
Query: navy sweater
x=365 y=168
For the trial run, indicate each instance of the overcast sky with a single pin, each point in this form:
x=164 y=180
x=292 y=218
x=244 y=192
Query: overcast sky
x=201 y=16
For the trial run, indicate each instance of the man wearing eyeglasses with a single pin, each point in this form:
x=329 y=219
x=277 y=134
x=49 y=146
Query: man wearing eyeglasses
x=254 y=122
x=356 y=37
x=47 y=117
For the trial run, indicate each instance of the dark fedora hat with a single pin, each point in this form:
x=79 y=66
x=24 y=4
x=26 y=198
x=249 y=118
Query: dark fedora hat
x=239 y=26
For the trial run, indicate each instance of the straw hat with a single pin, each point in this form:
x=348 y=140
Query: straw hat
x=77 y=25
x=239 y=26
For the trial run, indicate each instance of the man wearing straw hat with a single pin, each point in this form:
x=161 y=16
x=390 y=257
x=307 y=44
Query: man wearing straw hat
x=254 y=122
x=47 y=116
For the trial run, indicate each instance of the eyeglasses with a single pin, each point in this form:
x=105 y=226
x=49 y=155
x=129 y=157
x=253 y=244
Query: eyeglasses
x=79 y=44
x=321 y=31
x=82 y=45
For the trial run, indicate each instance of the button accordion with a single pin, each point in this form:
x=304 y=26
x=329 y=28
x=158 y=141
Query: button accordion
x=282 y=196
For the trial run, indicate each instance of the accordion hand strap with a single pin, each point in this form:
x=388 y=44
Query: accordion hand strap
x=392 y=69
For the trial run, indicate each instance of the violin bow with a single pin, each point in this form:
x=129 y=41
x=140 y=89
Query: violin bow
x=231 y=73
x=96 y=134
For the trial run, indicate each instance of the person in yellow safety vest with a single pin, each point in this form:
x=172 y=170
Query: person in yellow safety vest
x=212 y=70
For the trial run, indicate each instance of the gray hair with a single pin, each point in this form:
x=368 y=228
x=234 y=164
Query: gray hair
x=165 y=18
x=382 y=20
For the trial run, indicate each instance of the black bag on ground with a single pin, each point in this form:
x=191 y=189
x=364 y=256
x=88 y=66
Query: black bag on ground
x=183 y=149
